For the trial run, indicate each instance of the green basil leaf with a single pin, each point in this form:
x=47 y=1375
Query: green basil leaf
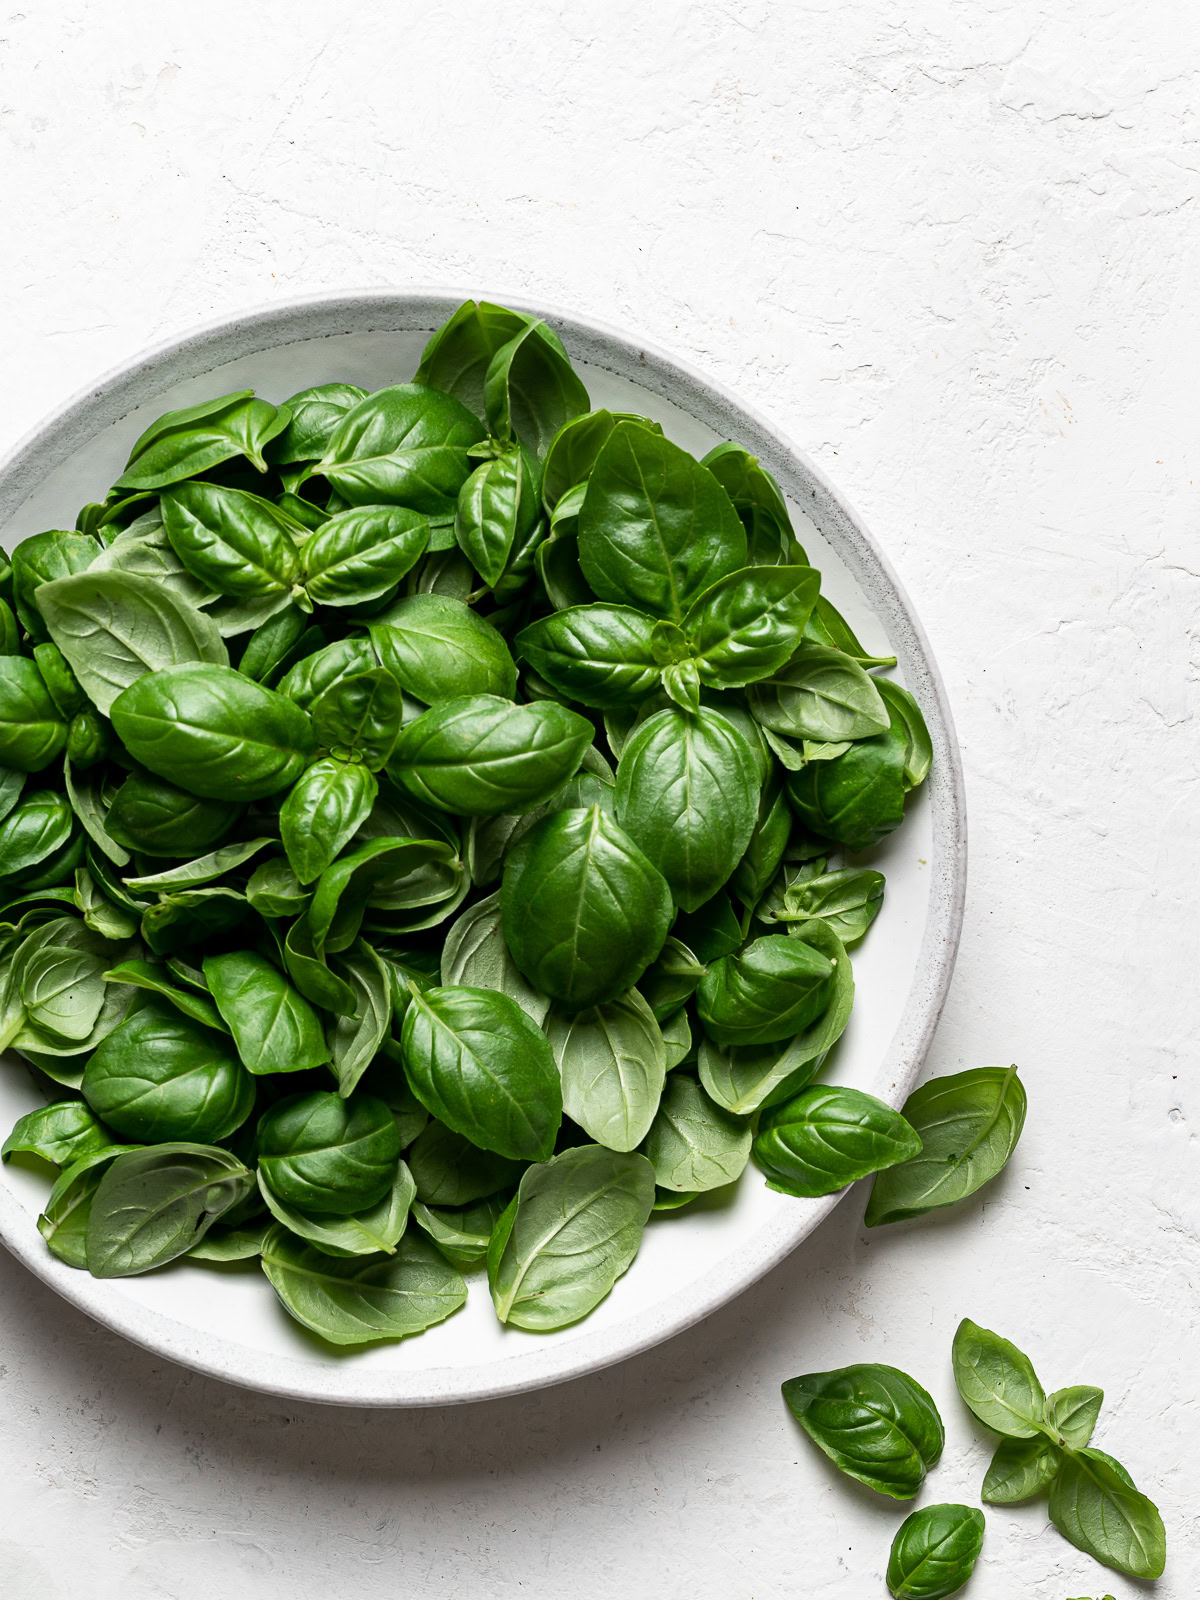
x=307 y=680
x=153 y=1205
x=1020 y=1469
x=402 y=446
x=857 y=798
x=217 y=734
x=62 y=990
x=31 y=731
x=613 y=1063
x=475 y=956
x=457 y=356
x=748 y=625
x=359 y=718
x=58 y=1133
x=439 y=649
x=309 y=972
x=969 y=1124
x=585 y=913
x=60 y=681
x=694 y=1144
x=573 y=1229
x=225 y=1244
x=827 y=626
x=274 y=1028
x=324 y=809
x=479 y=1064
x=656 y=528
x=451 y=1171
x=754 y=873
x=43 y=559
x=906 y=714
x=180 y=444
x=997 y=1382
x=376 y=1230
x=875 y=1423
x=158 y=819
x=205 y=869
x=274 y=889
x=934 y=1552
x=820 y=694
x=712 y=930
x=1073 y=1414
x=11 y=786
x=848 y=900
x=362 y=554
x=324 y=1154
x=759 y=502
x=149 y=976
x=159 y=1076
x=357 y=1300
x=498 y=509
x=827 y=1137
x=315 y=414
x=558 y=569
x=38 y=827
x=462 y=1235
x=687 y=794
x=188 y=918
x=1096 y=1507
x=239 y=544
x=85 y=795
x=572 y=452
x=599 y=655
x=275 y=646
x=671 y=980
x=152 y=558
x=771 y=990
x=481 y=755
x=358 y=1036
x=64 y=1222
x=530 y=388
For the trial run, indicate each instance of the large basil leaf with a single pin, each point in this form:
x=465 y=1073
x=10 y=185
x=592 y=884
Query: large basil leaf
x=321 y=1153
x=378 y=1229
x=275 y=1029
x=598 y=655
x=1094 y=1504
x=362 y=554
x=476 y=956
x=160 y=1076
x=31 y=731
x=773 y=989
x=749 y=624
x=969 y=1124
x=656 y=528
x=451 y=1171
x=180 y=444
x=998 y=1382
x=820 y=694
x=315 y=414
x=62 y=989
x=573 y=1229
x=213 y=732
x=687 y=794
x=874 y=1423
x=481 y=755
x=858 y=797
x=357 y=1300
x=613 y=1064
x=934 y=1552
x=483 y=1067
x=402 y=446
x=63 y=1223
x=324 y=809
x=359 y=717
x=585 y=913
x=237 y=543
x=498 y=509
x=439 y=649
x=458 y=354
x=827 y=1137
x=693 y=1143
x=572 y=452
x=38 y=827
x=59 y=1133
x=159 y=819
x=530 y=388
x=152 y=1206
x=43 y=559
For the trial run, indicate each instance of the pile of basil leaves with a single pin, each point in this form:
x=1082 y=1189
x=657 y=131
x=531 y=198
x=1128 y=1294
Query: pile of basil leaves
x=417 y=822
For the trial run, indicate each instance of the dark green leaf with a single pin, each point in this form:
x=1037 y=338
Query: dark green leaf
x=324 y=809
x=934 y=1552
x=451 y=1171
x=31 y=731
x=362 y=554
x=773 y=989
x=439 y=649
x=530 y=388
x=237 y=543
x=599 y=655
x=874 y=1423
x=275 y=1029
x=748 y=625
x=321 y=1153
x=359 y=717
x=402 y=446
x=828 y=1137
x=315 y=414
x=160 y=1076
x=498 y=509
x=180 y=444
x=58 y=1133
x=156 y=818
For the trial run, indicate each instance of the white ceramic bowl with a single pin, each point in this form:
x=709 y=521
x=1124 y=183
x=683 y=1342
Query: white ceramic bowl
x=229 y=1324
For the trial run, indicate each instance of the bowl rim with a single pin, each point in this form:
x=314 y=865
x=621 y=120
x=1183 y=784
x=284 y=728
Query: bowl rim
x=223 y=339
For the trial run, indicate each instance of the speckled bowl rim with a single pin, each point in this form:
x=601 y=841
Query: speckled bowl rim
x=137 y=382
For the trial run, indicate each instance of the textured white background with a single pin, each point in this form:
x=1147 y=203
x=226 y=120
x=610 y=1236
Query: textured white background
x=952 y=247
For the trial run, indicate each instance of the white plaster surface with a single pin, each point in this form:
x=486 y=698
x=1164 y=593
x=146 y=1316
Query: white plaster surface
x=953 y=249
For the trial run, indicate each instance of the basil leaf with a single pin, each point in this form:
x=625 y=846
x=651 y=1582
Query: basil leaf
x=357 y=1300
x=147 y=975
x=187 y=917
x=378 y=1229
x=828 y=627
x=462 y=1235
x=856 y=798
x=217 y=734
x=315 y=414
x=58 y=1133
x=225 y=1244
x=153 y=1205
x=308 y=679
x=180 y=444
x=205 y=869
x=62 y=990
x=1095 y=1506
x=40 y=560
x=848 y=900
x=759 y=502
x=439 y=649
x=359 y=718
x=573 y=1229
x=748 y=625
x=997 y=1382
x=481 y=755
x=934 y=1552
x=820 y=694
x=905 y=714
x=772 y=989
x=559 y=572
x=875 y=1423
x=585 y=913
x=458 y=354
x=309 y=972
x=36 y=829
x=613 y=1063
x=671 y=980
x=151 y=557
x=1073 y=1413
x=969 y=1124
x=530 y=388
x=598 y=655
x=756 y=870
x=693 y=1144
x=1020 y=1469
x=274 y=1028
x=324 y=1154
x=158 y=819
x=479 y=1064
x=687 y=795
x=402 y=446
x=324 y=809
x=362 y=554
x=31 y=731
x=358 y=1036
x=237 y=543
x=475 y=956
x=827 y=1137
x=572 y=452
x=450 y=1171
x=159 y=1076
x=498 y=510
x=656 y=528
x=64 y=1222
x=274 y=889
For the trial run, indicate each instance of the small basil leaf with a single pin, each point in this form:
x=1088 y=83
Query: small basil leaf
x=827 y=1137
x=572 y=452
x=402 y=446
x=239 y=544
x=772 y=829
x=147 y=975
x=848 y=900
x=358 y=1036
x=362 y=554
x=997 y=1382
x=694 y=1144
x=205 y=869
x=359 y=718
x=274 y=889
x=324 y=809
x=321 y=1153
x=43 y=559
x=857 y=798
x=1094 y=1504
x=308 y=679
x=712 y=930
x=475 y=956
x=31 y=731
x=439 y=649
x=180 y=444
x=530 y=388
x=828 y=627
x=771 y=990
x=613 y=1063
x=681 y=683
x=461 y=1234
x=748 y=625
x=498 y=509
x=759 y=502
x=58 y=1133
x=451 y=1171
x=458 y=354
x=274 y=1028
x=934 y=1552
x=62 y=990
x=38 y=827
x=1020 y=1469
x=875 y=1423
x=152 y=1206
x=376 y=1230
x=573 y=1229
x=158 y=819
x=599 y=655
x=64 y=1222
x=1073 y=1413
x=315 y=414
x=187 y=918
x=224 y=1244
x=906 y=713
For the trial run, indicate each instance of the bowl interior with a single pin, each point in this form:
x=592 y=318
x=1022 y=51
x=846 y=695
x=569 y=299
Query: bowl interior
x=228 y=1322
